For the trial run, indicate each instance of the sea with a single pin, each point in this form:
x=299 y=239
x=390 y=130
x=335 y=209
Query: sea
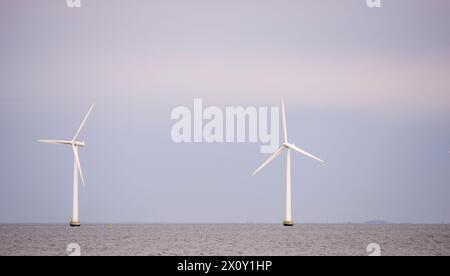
x=225 y=240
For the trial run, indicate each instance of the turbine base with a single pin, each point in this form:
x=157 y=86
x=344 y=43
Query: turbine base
x=75 y=224
x=288 y=223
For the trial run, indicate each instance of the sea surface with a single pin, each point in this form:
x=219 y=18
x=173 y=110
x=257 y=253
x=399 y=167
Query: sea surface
x=225 y=239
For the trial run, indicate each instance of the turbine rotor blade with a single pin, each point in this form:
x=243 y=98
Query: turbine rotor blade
x=77 y=159
x=305 y=153
x=283 y=110
x=271 y=158
x=55 y=142
x=82 y=124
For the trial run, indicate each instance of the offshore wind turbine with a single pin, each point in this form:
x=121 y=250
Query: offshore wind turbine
x=288 y=147
x=74 y=144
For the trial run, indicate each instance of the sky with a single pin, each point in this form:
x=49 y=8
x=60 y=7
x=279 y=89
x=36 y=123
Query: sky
x=367 y=90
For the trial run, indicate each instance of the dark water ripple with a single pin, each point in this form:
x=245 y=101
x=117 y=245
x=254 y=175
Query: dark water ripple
x=225 y=239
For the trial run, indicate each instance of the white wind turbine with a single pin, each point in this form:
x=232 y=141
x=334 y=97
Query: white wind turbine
x=75 y=222
x=287 y=146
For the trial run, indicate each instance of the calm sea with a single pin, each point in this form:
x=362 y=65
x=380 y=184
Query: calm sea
x=225 y=239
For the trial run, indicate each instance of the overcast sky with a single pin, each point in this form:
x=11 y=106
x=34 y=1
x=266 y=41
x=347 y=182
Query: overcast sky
x=367 y=90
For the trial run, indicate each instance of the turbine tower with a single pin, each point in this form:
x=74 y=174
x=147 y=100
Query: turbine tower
x=75 y=222
x=288 y=147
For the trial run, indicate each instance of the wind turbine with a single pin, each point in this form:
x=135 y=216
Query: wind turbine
x=288 y=147
x=75 y=222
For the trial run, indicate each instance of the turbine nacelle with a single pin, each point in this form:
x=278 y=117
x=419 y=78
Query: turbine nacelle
x=288 y=145
x=79 y=144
